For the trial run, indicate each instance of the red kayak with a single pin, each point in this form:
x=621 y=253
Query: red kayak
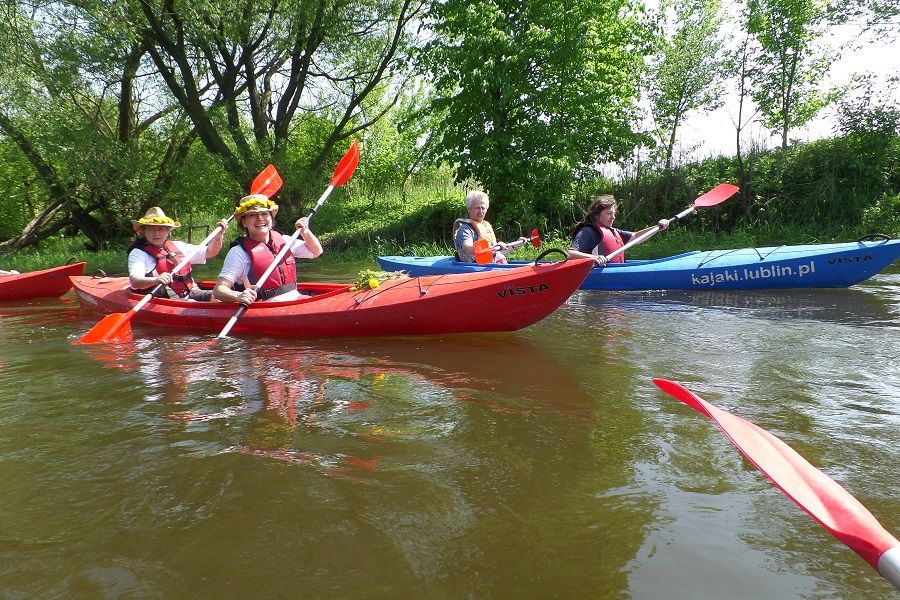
x=504 y=300
x=48 y=283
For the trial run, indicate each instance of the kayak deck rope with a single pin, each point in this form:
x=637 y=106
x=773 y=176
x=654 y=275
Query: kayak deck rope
x=713 y=257
x=383 y=288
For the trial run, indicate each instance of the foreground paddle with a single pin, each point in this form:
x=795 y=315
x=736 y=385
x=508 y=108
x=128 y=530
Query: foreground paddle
x=342 y=173
x=484 y=252
x=116 y=327
x=812 y=490
x=717 y=195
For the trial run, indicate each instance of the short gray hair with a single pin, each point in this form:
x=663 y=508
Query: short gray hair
x=476 y=195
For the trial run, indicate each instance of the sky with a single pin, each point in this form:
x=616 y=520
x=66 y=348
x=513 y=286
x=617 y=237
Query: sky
x=714 y=133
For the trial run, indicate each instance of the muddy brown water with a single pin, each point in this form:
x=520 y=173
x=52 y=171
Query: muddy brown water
x=539 y=464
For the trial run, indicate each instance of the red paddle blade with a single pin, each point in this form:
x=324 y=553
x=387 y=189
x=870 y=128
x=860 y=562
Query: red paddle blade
x=267 y=183
x=535 y=238
x=347 y=165
x=717 y=195
x=812 y=490
x=114 y=327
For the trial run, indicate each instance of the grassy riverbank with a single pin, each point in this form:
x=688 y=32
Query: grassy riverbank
x=677 y=239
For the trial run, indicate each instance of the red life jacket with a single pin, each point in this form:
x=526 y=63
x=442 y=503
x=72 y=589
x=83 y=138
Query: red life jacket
x=167 y=258
x=611 y=240
x=282 y=279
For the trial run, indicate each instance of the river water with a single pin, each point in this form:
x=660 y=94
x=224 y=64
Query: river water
x=540 y=464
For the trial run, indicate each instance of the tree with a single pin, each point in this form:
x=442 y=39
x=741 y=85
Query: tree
x=787 y=67
x=111 y=103
x=686 y=73
x=249 y=73
x=71 y=106
x=534 y=94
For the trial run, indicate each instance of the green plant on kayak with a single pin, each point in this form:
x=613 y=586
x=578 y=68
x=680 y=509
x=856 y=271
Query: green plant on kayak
x=369 y=279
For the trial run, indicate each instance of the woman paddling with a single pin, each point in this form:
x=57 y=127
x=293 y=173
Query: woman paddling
x=251 y=254
x=595 y=237
x=467 y=231
x=152 y=256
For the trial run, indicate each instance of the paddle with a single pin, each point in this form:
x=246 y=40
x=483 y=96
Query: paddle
x=116 y=326
x=717 y=195
x=342 y=173
x=484 y=252
x=812 y=490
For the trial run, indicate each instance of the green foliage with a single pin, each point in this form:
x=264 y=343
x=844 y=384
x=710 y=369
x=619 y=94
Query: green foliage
x=789 y=63
x=532 y=95
x=686 y=73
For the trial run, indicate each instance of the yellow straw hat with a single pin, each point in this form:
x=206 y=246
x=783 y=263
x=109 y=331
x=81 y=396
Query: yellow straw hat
x=155 y=216
x=255 y=203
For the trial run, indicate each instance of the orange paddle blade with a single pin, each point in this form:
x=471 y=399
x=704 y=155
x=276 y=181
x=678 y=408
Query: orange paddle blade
x=811 y=489
x=483 y=253
x=535 y=238
x=114 y=327
x=347 y=165
x=267 y=183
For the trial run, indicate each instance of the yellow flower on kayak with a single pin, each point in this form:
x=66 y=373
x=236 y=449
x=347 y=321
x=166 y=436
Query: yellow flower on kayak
x=369 y=279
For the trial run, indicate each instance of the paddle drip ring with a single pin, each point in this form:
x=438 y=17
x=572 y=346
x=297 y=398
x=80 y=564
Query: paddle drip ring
x=99 y=274
x=874 y=237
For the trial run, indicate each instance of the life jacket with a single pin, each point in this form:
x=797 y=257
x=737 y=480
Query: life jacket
x=610 y=241
x=282 y=279
x=167 y=258
x=483 y=230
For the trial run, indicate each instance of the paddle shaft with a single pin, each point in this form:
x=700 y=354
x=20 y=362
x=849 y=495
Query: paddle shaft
x=889 y=566
x=509 y=246
x=649 y=234
x=278 y=258
x=184 y=262
x=519 y=242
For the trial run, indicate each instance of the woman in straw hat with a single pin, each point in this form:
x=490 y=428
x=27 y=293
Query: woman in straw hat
x=152 y=256
x=250 y=255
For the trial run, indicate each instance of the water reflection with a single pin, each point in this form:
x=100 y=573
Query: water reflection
x=453 y=449
x=852 y=306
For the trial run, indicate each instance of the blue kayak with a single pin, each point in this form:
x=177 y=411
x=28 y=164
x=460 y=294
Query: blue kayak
x=808 y=266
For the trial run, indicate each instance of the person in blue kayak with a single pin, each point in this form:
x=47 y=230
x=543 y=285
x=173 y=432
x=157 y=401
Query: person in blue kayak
x=595 y=237
x=251 y=254
x=153 y=256
x=468 y=231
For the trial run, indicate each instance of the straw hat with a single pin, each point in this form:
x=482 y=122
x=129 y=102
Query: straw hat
x=155 y=216
x=255 y=203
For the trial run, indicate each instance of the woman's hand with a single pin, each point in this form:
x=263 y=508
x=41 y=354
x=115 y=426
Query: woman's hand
x=302 y=224
x=164 y=278
x=663 y=224
x=224 y=225
x=248 y=296
x=600 y=260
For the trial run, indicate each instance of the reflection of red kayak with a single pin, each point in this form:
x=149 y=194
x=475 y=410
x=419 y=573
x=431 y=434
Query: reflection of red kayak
x=48 y=283
x=492 y=301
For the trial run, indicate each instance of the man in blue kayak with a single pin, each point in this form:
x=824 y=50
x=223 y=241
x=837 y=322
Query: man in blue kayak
x=468 y=231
